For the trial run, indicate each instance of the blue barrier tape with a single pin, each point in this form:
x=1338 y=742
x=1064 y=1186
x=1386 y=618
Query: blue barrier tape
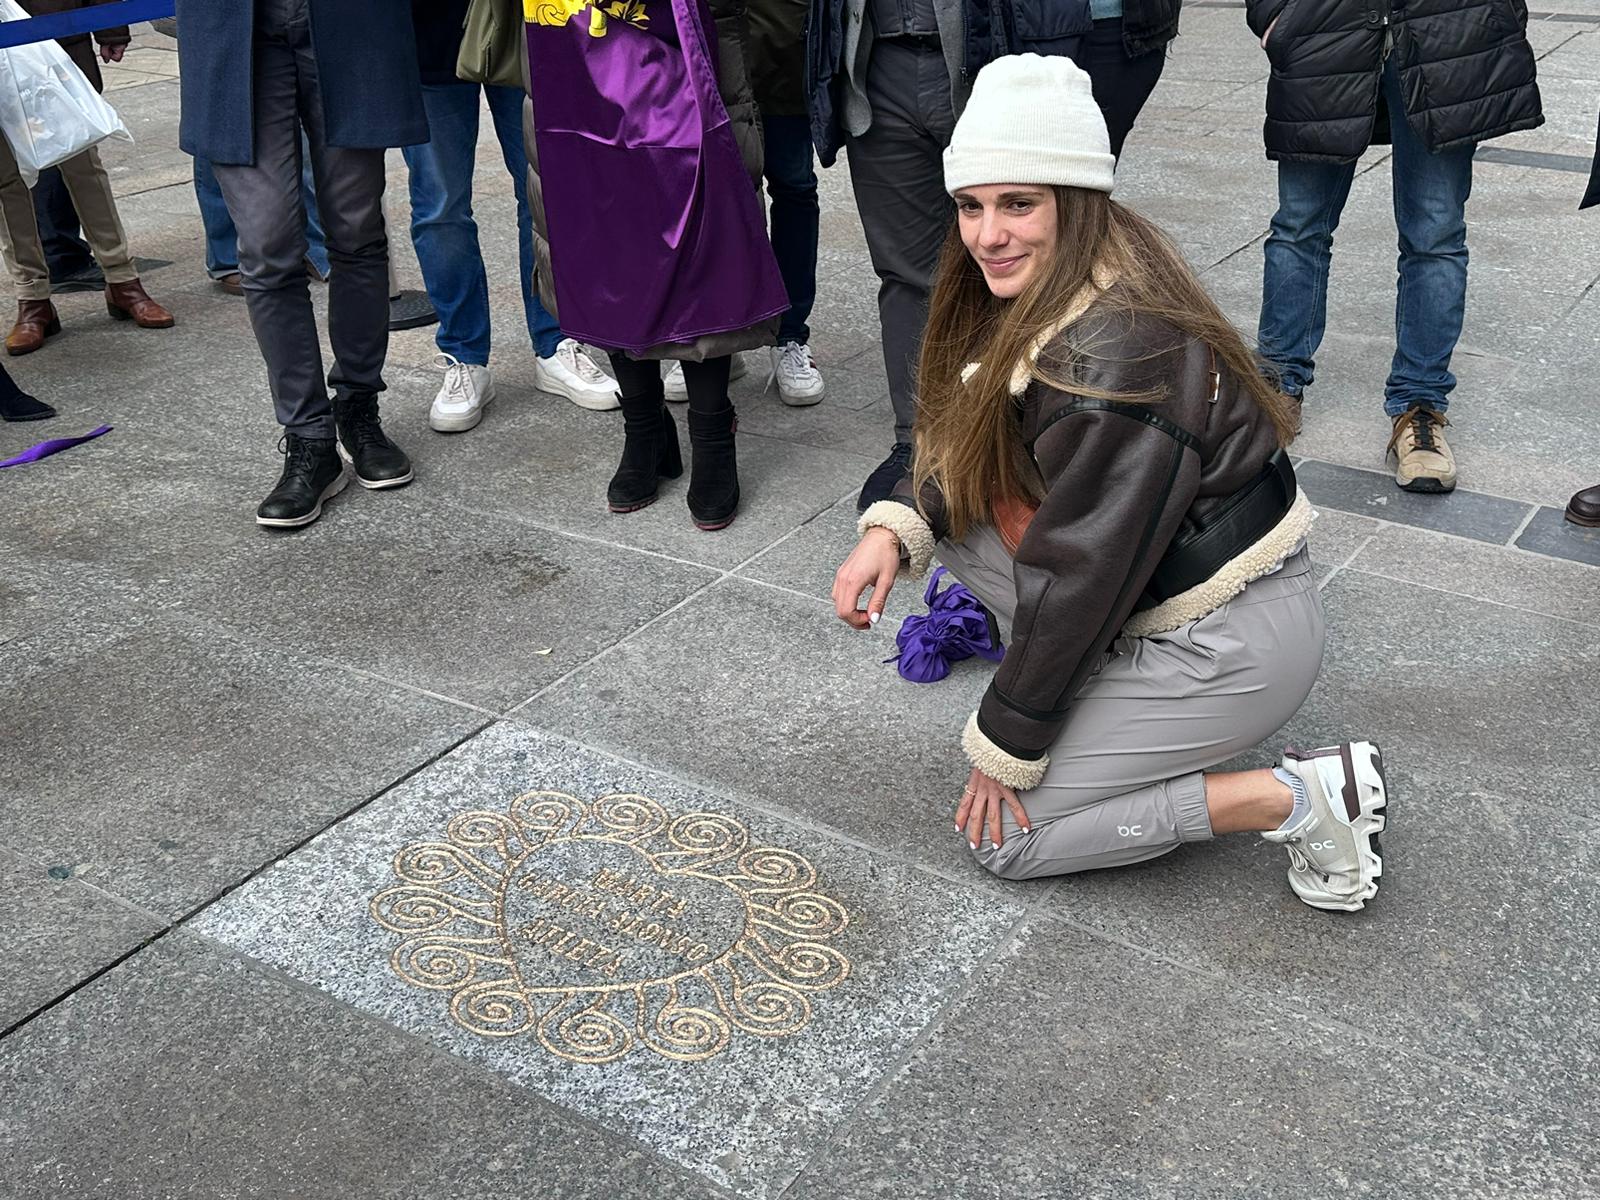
x=83 y=20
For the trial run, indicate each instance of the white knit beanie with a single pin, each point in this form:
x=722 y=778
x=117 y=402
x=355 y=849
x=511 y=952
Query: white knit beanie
x=1032 y=120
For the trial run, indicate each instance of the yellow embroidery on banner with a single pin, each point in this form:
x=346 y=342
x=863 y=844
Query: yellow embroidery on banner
x=561 y=12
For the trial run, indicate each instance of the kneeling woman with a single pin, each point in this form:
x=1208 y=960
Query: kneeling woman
x=1100 y=462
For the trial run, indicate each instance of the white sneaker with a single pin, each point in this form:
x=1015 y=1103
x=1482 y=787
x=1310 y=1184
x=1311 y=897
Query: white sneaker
x=678 y=390
x=570 y=372
x=799 y=381
x=1334 y=855
x=465 y=393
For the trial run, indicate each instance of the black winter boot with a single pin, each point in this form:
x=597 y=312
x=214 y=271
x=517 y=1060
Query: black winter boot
x=649 y=453
x=377 y=462
x=714 y=484
x=312 y=472
x=17 y=405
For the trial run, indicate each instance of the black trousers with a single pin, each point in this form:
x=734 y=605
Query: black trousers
x=1121 y=84
x=64 y=250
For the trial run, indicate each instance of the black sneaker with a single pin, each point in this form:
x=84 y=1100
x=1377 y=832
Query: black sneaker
x=881 y=483
x=377 y=462
x=312 y=473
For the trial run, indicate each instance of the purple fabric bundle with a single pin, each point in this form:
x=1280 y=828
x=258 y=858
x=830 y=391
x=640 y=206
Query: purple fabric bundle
x=53 y=446
x=656 y=230
x=956 y=627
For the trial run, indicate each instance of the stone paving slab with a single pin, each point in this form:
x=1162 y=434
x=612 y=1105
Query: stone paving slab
x=57 y=930
x=747 y=675
x=733 y=1072
x=1074 y=1067
x=169 y=761
x=191 y=1074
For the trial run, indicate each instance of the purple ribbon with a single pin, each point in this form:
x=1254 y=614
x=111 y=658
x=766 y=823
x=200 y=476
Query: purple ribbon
x=53 y=446
x=955 y=628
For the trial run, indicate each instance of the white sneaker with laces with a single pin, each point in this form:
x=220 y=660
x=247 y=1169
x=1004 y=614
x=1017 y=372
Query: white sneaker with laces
x=1335 y=858
x=799 y=382
x=678 y=391
x=570 y=372
x=465 y=393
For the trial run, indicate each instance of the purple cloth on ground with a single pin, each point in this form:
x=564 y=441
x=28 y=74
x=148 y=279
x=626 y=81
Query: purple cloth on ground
x=656 y=230
x=955 y=628
x=53 y=446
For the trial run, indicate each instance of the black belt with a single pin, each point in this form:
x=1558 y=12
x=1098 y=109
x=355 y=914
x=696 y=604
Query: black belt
x=1243 y=519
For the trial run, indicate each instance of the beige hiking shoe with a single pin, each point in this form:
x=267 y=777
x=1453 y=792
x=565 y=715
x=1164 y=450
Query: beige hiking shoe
x=1423 y=462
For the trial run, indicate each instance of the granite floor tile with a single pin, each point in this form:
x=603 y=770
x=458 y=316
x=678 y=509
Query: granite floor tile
x=167 y=763
x=745 y=675
x=190 y=1074
x=1464 y=513
x=1335 y=536
x=1551 y=533
x=1077 y=1068
x=1505 y=575
x=58 y=930
x=1468 y=697
x=474 y=607
x=818 y=963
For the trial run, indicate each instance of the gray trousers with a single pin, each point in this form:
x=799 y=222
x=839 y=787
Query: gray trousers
x=264 y=200
x=897 y=170
x=1125 y=781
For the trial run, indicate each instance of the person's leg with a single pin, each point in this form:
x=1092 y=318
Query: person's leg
x=1298 y=253
x=65 y=252
x=1121 y=84
x=20 y=245
x=90 y=187
x=796 y=218
x=1430 y=202
x=442 y=227
x=897 y=171
x=222 y=240
x=505 y=109
x=316 y=240
x=714 y=472
x=650 y=450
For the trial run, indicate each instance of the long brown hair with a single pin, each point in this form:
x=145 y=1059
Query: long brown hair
x=968 y=439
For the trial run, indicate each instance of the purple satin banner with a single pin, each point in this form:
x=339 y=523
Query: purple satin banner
x=955 y=628
x=53 y=446
x=656 y=229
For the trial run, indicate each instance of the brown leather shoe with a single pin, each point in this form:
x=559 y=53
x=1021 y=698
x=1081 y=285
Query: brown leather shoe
x=1584 y=508
x=130 y=302
x=36 y=320
x=232 y=283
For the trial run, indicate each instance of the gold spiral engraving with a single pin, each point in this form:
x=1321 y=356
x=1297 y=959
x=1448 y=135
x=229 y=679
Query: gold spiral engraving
x=608 y=927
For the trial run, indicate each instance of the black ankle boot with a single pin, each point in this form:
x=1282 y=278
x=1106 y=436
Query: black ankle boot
x=17 y=405
x=714 y=484
x=649 y=453
x=312 y=472
x=377 y=462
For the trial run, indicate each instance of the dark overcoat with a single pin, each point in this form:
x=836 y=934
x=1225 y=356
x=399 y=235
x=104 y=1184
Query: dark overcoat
x=366 y=63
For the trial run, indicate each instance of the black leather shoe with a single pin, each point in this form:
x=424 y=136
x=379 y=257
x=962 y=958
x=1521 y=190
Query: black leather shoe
x=1584 y=508
x=881 y=483
x=650 y=453
x=714 y=469
x=376 y=461
x=312 y=473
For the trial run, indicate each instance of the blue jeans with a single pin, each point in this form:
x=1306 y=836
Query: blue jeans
x=442 y=228
x=796 y=219
x=1430 y=200
x=222 y=239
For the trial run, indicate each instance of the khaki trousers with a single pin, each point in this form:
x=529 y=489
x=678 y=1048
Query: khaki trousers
x=90 y=189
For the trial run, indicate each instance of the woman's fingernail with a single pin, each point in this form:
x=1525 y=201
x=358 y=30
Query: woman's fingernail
x=872 y=618
x=974 y=845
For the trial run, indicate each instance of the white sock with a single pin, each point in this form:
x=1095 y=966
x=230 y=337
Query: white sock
x=1302 y=802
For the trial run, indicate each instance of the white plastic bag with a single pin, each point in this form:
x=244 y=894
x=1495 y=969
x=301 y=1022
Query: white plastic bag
x=48 y=110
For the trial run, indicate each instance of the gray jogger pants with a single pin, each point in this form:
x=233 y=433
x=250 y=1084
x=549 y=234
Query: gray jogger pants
x=1126 y=781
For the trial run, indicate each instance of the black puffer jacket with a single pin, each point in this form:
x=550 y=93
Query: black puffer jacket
x=1466 y=70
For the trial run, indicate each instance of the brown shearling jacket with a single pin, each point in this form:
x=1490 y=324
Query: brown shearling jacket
x=1119 y=482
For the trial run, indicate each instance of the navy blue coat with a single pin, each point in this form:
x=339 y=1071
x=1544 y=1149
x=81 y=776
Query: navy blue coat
x=366 y=61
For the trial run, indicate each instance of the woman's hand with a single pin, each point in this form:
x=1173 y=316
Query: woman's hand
x=874 y=563
x=980 y=807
